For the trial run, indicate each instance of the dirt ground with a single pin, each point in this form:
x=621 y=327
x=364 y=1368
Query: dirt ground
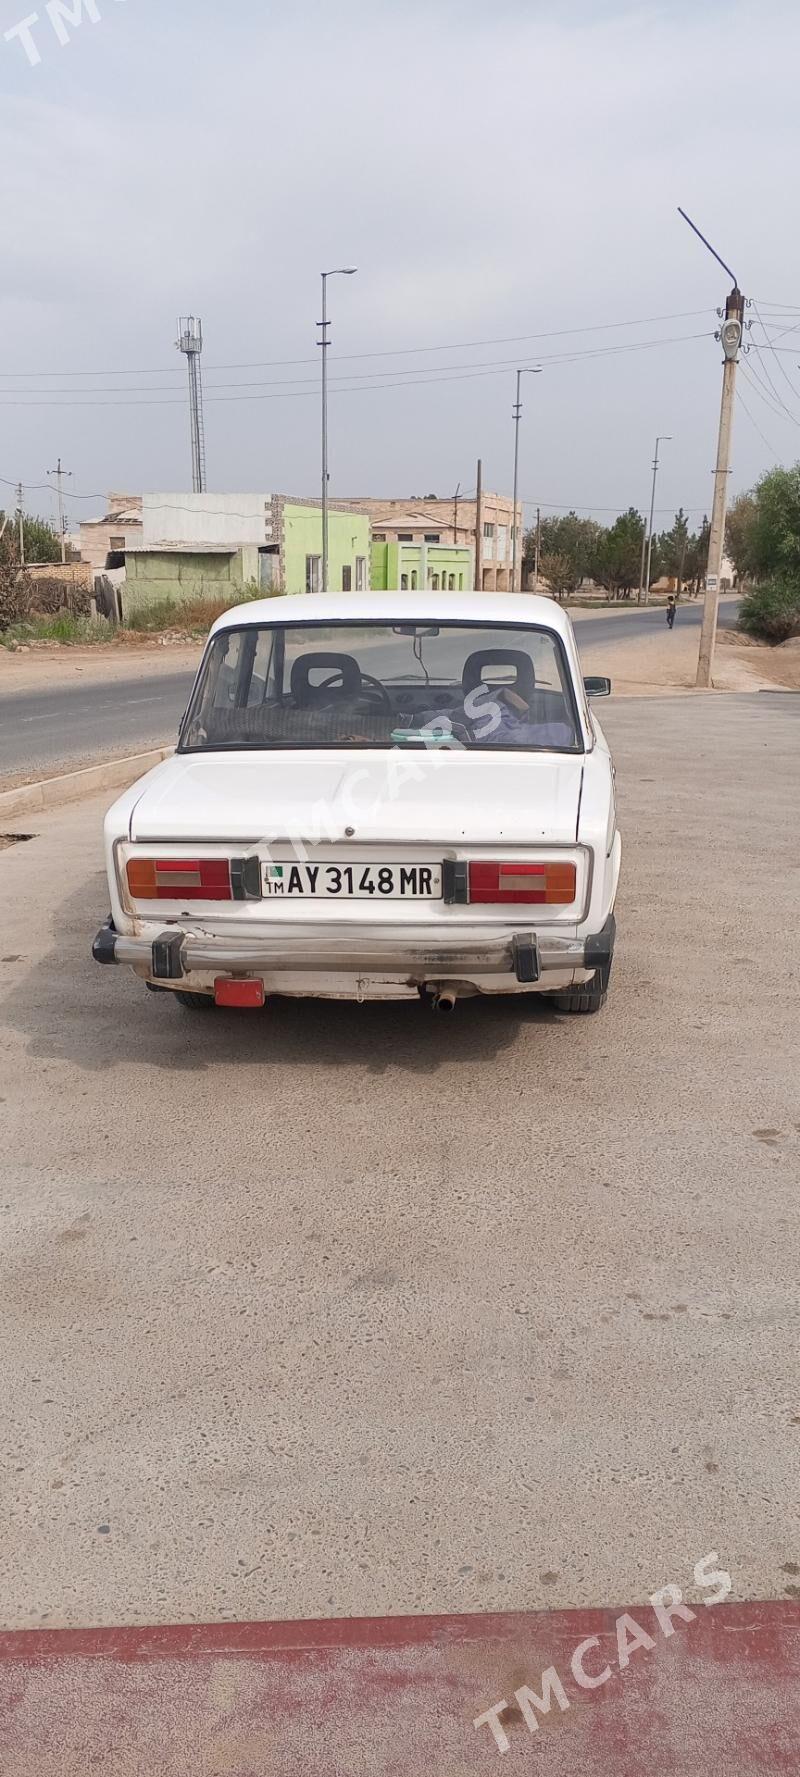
x=51 y=664
x=779 y=666
x=641 y=666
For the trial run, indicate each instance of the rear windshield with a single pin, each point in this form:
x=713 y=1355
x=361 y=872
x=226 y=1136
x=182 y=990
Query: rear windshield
x=358 y=685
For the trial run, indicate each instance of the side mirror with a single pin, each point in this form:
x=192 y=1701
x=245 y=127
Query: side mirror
x=595 y=687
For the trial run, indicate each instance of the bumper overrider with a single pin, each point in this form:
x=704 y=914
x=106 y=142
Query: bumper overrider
x=526 y=956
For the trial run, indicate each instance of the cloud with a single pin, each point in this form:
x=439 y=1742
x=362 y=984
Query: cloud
x=490 y=172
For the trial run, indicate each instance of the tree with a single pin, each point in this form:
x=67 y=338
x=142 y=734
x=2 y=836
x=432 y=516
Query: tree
x=764 y=527
x=764 y=537
x=9 y=571
x=557 y=570
x=620 y=554
x=697 y=556
x=42 y=541
x=674 y=548
x=573 y=540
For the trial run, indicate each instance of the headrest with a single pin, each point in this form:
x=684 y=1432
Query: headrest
x=515 y=659
x=345 y=671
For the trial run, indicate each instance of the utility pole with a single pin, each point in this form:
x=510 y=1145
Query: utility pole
x=663 y=438
x=526 y=371
x=643 y=560
x=455 y=513
x=60 y=474
x=21 y=521
x=341 y=271
x=190 y=342
x=730 y=336
x=538 y=555
x=479 y=529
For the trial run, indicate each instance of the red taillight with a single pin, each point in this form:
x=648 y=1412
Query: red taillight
x=230 y=992
x=548 y=884
x=180 y=879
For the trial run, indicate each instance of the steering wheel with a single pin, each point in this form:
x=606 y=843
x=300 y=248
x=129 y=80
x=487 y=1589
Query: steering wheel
x=370 y=686
x=371 y=689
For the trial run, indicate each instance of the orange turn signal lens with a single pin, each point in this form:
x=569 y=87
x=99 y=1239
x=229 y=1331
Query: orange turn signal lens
x=141 y=874
x=179 y=879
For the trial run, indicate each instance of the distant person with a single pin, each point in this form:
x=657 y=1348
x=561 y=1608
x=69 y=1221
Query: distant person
x=671 y=612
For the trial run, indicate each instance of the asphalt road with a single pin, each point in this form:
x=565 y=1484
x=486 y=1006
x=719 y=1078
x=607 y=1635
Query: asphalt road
x=46 y=731
x=341 y=1310
x=43 y=732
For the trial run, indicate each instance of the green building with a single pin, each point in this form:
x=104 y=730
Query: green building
x=301 y=548
x=200 y=547
x=404 y=567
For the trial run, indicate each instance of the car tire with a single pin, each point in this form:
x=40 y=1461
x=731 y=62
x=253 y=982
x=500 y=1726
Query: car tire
x=195 y=1002
x=589 y=997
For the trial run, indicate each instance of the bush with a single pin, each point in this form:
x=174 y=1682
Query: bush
x=191 y=614
x=61 y=628
x=772 y=611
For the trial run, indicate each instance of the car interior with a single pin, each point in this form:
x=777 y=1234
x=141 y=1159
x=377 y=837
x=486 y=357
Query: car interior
x=489 y=696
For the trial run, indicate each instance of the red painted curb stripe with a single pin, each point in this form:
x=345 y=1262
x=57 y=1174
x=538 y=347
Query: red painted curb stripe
x=398 y=1696
x=770 y=1625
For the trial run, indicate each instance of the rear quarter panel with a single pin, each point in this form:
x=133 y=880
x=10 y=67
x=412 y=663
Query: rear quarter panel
x=597 y=828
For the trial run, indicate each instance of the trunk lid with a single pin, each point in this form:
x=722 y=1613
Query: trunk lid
x=448 y=798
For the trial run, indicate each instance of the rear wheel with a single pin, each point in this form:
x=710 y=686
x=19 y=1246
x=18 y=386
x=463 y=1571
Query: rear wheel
x=589 y=997
x=195 y=1002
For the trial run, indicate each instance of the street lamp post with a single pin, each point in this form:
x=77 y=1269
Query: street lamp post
x=341 y=271
x=527 y=370
x=730 y=336
x=663 y=438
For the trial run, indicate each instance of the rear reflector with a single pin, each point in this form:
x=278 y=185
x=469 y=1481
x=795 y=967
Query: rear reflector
x=180 y=879
x=546 y=884
x=228 y=992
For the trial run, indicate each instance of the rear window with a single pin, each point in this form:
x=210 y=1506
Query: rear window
x=359 y=685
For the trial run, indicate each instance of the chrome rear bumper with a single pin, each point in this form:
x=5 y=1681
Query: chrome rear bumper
x=526 y=956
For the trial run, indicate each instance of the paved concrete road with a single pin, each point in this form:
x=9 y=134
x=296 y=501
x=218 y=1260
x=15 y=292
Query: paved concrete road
x=46 y=731
x=341 y=1310
x=43 y=732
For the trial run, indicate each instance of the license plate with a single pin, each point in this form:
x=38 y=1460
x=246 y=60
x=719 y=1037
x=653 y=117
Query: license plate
x=356 y=880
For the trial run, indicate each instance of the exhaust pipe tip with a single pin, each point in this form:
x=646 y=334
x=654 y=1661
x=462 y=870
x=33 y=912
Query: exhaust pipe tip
x=445 y=1000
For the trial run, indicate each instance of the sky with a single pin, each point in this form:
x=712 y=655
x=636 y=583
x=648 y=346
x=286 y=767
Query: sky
x=506 y=179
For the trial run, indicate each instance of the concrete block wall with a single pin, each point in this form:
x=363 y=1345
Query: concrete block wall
x=180 y=579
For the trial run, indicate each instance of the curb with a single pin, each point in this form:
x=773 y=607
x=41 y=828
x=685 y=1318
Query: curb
x=717 y=1691
x=113 y=774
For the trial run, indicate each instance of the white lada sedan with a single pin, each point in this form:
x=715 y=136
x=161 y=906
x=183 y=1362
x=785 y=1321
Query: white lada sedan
x=375 y=797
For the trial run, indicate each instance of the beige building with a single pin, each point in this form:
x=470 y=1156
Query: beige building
x=432 y=521
x=105 y=541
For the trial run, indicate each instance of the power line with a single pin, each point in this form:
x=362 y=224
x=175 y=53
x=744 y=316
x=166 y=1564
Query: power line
x=559 y=506
x=351 y=376
x=786 y=307
x=783 y=372
x=416 y=372
x=762 y=385
x=296 y=389
x=754 y=423
x=777 y=398
x=394 y=352
x=223 y=512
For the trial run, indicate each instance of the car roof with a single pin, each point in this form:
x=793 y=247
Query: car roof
x=518 y=608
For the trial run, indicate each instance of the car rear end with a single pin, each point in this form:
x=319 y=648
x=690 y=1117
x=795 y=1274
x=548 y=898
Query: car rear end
x=353 y=873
